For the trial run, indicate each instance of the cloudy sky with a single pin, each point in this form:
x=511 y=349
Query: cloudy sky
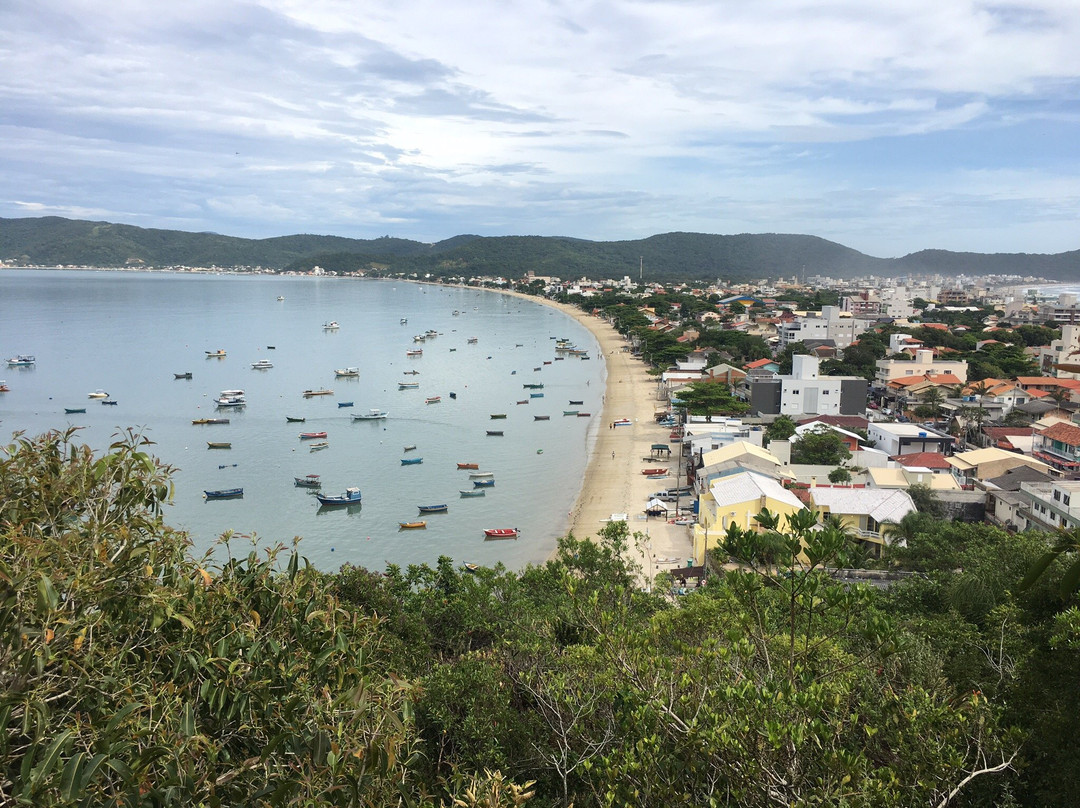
x=886 y=126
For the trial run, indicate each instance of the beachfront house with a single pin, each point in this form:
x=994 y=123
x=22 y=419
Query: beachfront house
x=737 y=499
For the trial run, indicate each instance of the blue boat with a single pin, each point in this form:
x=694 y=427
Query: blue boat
x=432 y=508
x=350 y=497
x=483 y=483
x=474 y=493
x=344 y=403
x=73 y=410
x=536 y=395
x=411 y=461
x=224 y=493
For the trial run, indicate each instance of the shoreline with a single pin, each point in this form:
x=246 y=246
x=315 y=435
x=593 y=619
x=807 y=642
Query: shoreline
x=613 y=482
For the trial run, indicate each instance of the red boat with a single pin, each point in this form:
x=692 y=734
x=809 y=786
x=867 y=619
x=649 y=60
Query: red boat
x=310 y=435
x=468 y=465
x=501 y=533
x=654 y=472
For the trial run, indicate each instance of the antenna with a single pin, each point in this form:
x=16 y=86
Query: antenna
x=641 y=268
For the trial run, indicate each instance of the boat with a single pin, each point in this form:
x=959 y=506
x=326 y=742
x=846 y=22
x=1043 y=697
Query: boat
x=533 y=386
x=536 y=369
x=350 y=497
x=472 y=340
x=73 y=410
x=331 y=325
x=347 y=373
x=4 y=387
x=312 y=435
x=411 y=461
x=22 y=360
x=97 y=394
x=344 y=404
x=481 y=475
x=483 y=483
x=453 y=395
x=501 y=533
x=410 y=448
x=408 y=385
x=322 y=444
x=572 y=402
x=293 y=420
x=622 y=422
x=654 y=472
x=416 y=352
x=281 y=297
x=111 y=402
x=218 y=354
x=584 y=414
x=526 y=401
x=536 y=395
x=410 y=372
x=218 y=444
x=308 y=481
x=262 y=364
x=433 y=399
x=230 y=401
x=322 y=391
x=476 y=492
x=541 y=417
x=432 y=508
x=547 y=362
x=468 y=465
x=569 y=412
x=496 y=416
x=210 y=421
x=224 y=493
x=404 y=320
x=470 y=567
x=495 y=433
x=372 y=415
x=411 y=525
x=182 y=375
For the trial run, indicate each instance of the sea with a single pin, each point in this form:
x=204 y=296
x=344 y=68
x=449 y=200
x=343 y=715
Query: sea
x=129 y=333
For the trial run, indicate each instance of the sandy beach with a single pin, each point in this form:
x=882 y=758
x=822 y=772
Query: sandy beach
x=613 y=481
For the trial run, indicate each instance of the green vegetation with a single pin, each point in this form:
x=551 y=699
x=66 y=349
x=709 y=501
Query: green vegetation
x=819 y=448
x=710 y=398
x=134 y=674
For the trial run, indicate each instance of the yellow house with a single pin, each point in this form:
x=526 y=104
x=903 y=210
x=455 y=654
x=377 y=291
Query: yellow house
x=985 y=464
x=737 y=499
x=863 y=510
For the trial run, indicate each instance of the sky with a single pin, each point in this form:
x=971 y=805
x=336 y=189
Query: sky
x=888 y=127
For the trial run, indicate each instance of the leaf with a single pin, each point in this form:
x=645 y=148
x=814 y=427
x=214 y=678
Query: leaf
x=123 y=713
x=1037 y=569
x=45 y=767
x=1071 y=579
x=47 y=597
x=70 y=780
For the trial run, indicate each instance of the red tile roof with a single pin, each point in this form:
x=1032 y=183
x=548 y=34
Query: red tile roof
x=926 y=460
x=1066 y=433
x=759 y=363
x=936 y=326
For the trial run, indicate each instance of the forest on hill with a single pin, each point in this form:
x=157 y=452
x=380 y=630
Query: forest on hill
x=55 y=241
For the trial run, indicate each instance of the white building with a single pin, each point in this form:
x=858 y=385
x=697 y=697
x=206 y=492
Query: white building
x=828 y=324
x=902 y=439
x=922 y=364
x=1061 y=351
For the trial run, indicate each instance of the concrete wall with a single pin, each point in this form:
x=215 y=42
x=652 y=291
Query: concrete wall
x=963 y=506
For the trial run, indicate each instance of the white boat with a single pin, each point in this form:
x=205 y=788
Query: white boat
x=330 y=326
x=281 y=297
x=481 y=475
x=404 y=320
x=97 y=394
x=347 y=372
x=372 y=415
x=262 y=364
x=22 y=360
x=231 y=398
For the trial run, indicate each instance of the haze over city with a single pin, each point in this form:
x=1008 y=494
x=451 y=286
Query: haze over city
x=887 y=129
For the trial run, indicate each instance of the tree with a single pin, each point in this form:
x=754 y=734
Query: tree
x=933 y=398
x=819 y=448
x=783 y=359
x=839 y=475
x=780 y=429
x=710 y=398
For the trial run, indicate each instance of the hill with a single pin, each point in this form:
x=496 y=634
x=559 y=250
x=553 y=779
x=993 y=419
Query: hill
x=52 y=241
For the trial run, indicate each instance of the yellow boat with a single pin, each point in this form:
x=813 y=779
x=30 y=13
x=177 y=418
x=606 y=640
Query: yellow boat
x=411 y=525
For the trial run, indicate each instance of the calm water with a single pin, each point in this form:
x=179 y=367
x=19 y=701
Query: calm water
x=128 y=333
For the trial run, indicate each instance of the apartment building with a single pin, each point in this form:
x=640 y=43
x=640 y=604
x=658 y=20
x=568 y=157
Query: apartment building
x=806 y=392
x=923 y=363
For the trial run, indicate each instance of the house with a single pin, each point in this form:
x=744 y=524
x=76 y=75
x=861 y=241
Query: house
x=1005 y=505
x=1059 y=445
x=923 y=363
x=770 y=365
x=1050 y=506
x=732 y=459
x=935 y=462
x=994 y=393
x=849 y=422
x=831 y=323
x=706 y=436
x=864 y=510
x=806 y=391
x=982 y=464
x=907 y=476
x=850 y=439
x=900 y=439
x=1010 y=438
x=737 y=499
x=1064 y=351
x=723 y=373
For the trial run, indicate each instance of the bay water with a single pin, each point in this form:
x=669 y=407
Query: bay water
x=128 y=333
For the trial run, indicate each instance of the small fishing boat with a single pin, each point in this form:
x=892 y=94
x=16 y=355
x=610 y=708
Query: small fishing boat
x=541 y=417
x=412 y=525
x=481 y=475
x=73 y=410
x=622 y=422
x=21 y=361
x=182 y=375
x=483 y=483
x=218 y=444
x=547 y=362
x=410 y=448
x=453 y=395
x=536 y=395
x=433 y=399
x=111 y=402
x=495 y=433
x=350 y=497
x=498 y=415
x=569 y=412
x=344 y=404
x=533 y=386
x=331 y=325
x=373 y=414
x=468 y=465
x=308 y=481
x=410 y=372
x=432 y=508
x=411 y=461
x=476 y=492
x=262 y=364
x=347 y=373
x=293 y=420
x=322 y=391
x=408 y=385
x=97 y=394
x=404 y=320
x=4 y=387
x=501 y=533
x=210 y=421
x=415 y=352
x=224 y=493
x=654 y=472
x=312 y=435
x=218 y=354
x=584 y=414
x=323 y=444
x=472 y=340
x=230 y=401
x=281 y=297
x=470 y=567
x=572 y=402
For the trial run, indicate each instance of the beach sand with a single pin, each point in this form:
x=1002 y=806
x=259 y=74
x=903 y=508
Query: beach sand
x=613 y=481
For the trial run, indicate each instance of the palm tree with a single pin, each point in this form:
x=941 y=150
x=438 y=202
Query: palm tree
x=934 y=398
x=1059 y=395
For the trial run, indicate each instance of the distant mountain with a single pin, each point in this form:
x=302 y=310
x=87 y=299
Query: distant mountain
x=54 y=241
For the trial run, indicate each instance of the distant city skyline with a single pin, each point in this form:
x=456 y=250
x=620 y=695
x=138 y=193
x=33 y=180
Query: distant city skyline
x=886 y=128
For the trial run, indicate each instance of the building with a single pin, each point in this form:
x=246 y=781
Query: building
x=863 y=510
x=1064 y=351
x=828 y=324
x=737 y=499
x=905 y=476
x=903 y=439
x=984 y=464
x=923 y=364
x=805 y=392
x=1059 y=446
x=1050 y=506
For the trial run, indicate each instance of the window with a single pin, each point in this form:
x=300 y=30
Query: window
x=1066 y=499
x=1057 y=495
